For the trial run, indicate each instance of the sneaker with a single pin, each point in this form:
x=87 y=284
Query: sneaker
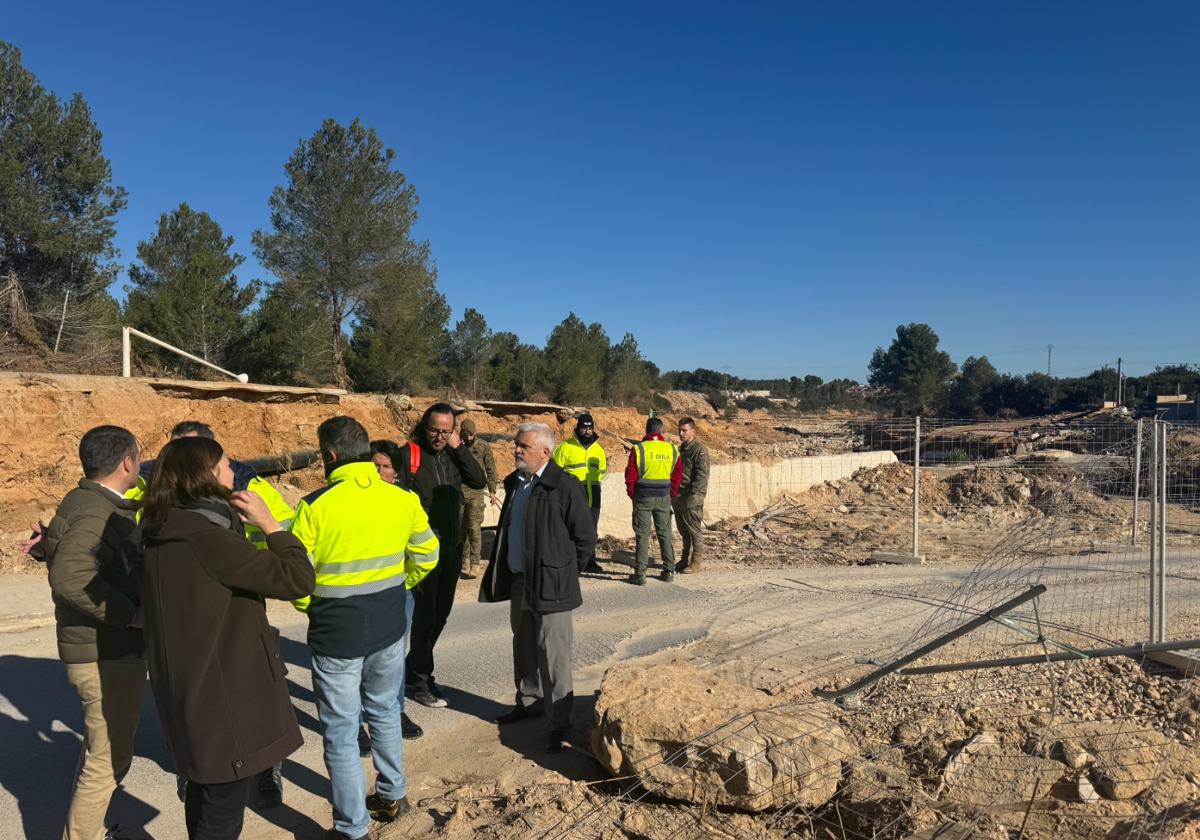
x=270 y=787
x=427 y=698
x=386 y=810
x=364 y=741
x=409 y=729
x=436 y=689
x=636 y=580
x=666 y=577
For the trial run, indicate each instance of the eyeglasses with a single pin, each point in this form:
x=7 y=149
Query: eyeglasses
x=441 y=433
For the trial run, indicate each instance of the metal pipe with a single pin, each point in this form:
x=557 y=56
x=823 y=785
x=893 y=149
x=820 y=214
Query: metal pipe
x=288 y=461
x=1137 y=481
x=1162 y=544
x=916 y=542
x=1063 y=656
x=940 y=641
x=1154 y=533
x=125 y=363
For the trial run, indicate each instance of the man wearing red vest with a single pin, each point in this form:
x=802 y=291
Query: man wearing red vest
x=652 y=479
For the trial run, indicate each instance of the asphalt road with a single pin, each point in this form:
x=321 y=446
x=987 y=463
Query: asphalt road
x=770 y=625
x=40 y=720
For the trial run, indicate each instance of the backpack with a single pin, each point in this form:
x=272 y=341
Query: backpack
x=414 y=458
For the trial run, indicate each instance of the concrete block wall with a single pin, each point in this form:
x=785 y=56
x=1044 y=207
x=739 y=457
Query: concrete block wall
x=738 y=489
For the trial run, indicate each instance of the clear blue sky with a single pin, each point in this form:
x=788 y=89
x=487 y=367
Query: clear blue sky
x=768 y=188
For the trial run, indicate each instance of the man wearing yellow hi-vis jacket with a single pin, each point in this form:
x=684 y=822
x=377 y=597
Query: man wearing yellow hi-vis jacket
x=652 y=479
x=583 y=457
x=370 y=541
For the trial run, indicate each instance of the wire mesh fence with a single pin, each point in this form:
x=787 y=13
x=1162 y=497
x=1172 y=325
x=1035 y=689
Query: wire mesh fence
x=1022 y=697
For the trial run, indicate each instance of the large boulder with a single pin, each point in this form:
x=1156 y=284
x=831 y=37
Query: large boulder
x=689 y=735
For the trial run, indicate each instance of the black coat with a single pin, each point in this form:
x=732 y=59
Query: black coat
x=439 y=482
x=558 y=544
x=215 y=665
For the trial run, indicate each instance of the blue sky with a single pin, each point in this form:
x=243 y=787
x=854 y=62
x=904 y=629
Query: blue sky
x=768 y=188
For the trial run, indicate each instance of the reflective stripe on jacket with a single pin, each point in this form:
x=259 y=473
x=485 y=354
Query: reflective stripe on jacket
x=369 y=541
x=588 y=463
x=656 y=462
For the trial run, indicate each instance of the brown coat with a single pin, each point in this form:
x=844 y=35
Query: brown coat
x=218 y=676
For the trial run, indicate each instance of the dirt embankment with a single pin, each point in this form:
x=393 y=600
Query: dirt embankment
x=43 y=417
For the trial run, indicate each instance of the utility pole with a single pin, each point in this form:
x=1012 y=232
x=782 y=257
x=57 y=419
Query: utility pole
x=1120 y=396
x=1049 y=353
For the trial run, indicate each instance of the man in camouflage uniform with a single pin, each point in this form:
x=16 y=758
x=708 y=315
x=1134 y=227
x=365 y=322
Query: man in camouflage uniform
x=689 y=504
x=474 y=501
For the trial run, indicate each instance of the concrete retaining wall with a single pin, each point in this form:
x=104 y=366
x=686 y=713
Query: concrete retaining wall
x=738 y=489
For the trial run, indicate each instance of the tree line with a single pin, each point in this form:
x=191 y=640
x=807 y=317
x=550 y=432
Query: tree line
x=355 y=302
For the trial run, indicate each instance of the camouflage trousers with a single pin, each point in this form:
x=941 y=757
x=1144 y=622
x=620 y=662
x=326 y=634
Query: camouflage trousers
x=472 y=521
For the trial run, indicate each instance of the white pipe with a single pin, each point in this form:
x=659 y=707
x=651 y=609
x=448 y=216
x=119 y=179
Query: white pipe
x=128 y=331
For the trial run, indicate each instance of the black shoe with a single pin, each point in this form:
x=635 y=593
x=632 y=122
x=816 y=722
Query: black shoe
x=436 y=689
x=334 y=834
x=364 y=741
x=409 y=729
x=594 y=567
x=517 y=713
x=666 y=577
x=426 y=697
x=636 y=580
x=270 y=787
x=386 y=810
x=467 y=574
x=559 y=742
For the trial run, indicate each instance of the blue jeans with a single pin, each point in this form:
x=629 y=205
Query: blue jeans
x=408 y=607
x=347 y=691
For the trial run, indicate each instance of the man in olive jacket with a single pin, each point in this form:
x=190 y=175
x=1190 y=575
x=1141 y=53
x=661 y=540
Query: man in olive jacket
x=95 y=604
x=544 y=541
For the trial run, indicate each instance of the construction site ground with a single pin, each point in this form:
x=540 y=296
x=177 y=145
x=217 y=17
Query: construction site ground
x=786 y=605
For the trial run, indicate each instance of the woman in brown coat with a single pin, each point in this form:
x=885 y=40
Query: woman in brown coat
x=215 y=665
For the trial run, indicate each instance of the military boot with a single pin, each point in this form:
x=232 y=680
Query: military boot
x=694 y=565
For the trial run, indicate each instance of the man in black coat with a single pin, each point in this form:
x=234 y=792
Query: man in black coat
x=436 y=465
x=544 y=541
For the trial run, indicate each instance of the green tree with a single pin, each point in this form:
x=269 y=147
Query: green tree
x=517 y=369
x=628 y=376
x=914 y=369
x=287 y=342
x=400 y=336
x=575 y=356
x=469 y=353
x=185 y=291
x=971 y=389
x=57 y=208
x=341 y=226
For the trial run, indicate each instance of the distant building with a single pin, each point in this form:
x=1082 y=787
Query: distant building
x=1174 y=408
x=745 y=395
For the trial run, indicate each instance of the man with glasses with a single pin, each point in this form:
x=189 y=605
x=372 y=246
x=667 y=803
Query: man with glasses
x=436 y=465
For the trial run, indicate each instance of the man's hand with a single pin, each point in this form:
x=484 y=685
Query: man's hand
x=495 y=500
x=455 y=440
x=254 y=511
x=39 y=534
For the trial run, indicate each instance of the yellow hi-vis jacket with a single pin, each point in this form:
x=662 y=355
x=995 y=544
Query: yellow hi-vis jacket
x=364 y=535
x=656 y=461
x=587 y=463
x=280 y=509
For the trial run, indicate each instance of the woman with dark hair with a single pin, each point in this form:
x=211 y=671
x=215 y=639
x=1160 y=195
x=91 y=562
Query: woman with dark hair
x=215 y=665
x=386 y=456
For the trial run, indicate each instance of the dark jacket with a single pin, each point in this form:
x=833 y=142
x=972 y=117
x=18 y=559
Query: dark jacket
x=95 y=599
x=439 y=483
x=215 y=664
x=558 y=544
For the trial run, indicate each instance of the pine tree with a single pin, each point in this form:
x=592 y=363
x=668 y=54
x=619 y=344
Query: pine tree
x=185 y=291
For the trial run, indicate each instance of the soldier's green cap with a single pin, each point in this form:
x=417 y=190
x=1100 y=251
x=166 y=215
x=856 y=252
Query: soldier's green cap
x=468 y=427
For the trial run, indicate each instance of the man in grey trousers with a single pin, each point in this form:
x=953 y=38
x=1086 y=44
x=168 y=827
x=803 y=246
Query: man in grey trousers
x=544 y=540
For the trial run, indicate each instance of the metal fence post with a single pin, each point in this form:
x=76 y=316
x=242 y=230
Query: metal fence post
x=1154 y=532
x=1137 y=481
x=1162 y=542
x=125 y=352
x=916 y=545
